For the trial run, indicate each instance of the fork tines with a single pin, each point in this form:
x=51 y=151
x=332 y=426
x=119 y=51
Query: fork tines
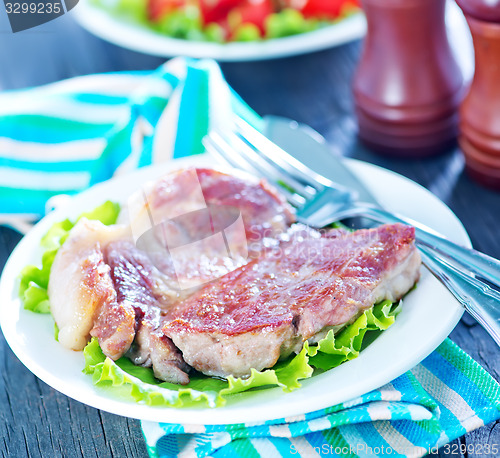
x=247 y=149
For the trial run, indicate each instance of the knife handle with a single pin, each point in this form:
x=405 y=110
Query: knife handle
x=473 y=277
x=481 y=301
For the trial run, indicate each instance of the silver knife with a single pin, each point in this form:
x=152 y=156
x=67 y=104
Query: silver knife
x=313 y=152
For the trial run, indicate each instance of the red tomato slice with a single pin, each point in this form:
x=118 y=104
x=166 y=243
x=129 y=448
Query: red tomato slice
x=216 y=10
x=326 y=9
x=158 y=8
x=251 y=11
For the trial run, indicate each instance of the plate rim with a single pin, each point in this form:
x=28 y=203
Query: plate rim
x=198 y=416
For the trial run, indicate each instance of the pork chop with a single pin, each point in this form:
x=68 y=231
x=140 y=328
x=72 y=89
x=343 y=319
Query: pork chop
x=139 y=287
x=80 y=284
x=269 y=307
x=103 y=284
x=264 y=212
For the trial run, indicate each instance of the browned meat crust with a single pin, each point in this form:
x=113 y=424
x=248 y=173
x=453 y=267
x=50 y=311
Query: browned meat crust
x=269 y=307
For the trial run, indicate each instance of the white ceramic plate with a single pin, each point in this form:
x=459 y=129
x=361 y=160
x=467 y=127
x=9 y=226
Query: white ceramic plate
x=142 y=39
x=429 y=315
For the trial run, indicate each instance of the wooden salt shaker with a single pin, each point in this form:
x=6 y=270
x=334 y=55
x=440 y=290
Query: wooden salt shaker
x=480 y=110
x=408 y=86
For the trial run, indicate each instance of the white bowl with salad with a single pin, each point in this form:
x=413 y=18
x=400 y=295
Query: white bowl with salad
x=226 y=30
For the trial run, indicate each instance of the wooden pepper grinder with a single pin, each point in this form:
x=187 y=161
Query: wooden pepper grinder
x=408 y=86
x=480 y=110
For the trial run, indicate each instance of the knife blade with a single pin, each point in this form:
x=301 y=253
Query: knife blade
x=314 y=152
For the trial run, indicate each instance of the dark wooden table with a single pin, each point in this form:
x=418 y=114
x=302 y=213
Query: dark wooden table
x=36 y=420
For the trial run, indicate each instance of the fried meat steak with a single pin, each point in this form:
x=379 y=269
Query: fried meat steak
x=105 y=284
x=181 y=197
x=269 y=307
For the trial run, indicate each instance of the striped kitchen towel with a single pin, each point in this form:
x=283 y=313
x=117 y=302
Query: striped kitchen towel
x=64 y=137
x=442 y=398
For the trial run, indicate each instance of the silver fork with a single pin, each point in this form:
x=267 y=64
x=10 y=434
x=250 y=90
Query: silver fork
x=465 y=272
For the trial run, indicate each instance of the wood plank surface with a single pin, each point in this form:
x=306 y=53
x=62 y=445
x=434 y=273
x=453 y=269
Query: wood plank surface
x=35 y=420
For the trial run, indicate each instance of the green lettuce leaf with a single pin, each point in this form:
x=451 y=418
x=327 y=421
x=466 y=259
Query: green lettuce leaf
x=288 y=22
x=139 y=383
x=333 y=350
x=35 y=280
x=131 y=10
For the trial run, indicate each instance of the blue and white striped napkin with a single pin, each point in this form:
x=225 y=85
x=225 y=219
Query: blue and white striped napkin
x=67 y=136
x=64 y=137
x=442 y=398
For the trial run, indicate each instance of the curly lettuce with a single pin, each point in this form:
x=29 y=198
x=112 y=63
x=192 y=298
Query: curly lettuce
x=139 y=384
x=34 y=280
x=333 y=350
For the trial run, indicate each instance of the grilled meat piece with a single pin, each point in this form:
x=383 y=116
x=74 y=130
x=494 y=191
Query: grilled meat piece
x=152 y=348
x=269 y=307
x=80 y=284
x=142 y=289
x=105 y=284
x=264 y=212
